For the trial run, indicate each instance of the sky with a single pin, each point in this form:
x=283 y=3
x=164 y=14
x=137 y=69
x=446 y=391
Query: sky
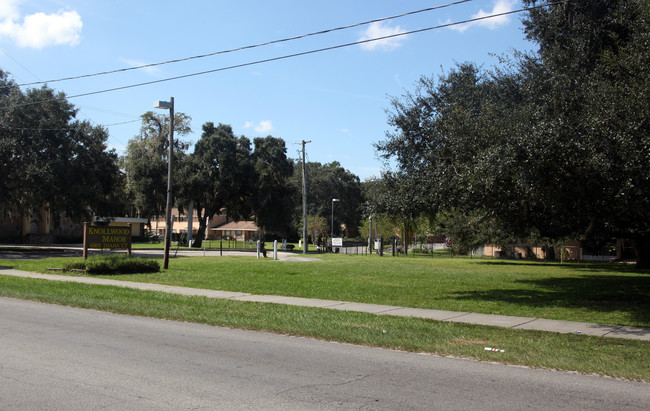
x=336 y=99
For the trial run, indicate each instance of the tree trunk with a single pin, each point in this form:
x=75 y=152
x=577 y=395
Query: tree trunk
x=642 y=249
x=406 y=236
x=200 y=233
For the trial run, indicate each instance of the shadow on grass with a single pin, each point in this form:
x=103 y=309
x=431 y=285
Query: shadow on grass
x=598 y=293
x=581 y=266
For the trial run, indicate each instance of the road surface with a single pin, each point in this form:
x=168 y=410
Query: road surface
x=54 y=357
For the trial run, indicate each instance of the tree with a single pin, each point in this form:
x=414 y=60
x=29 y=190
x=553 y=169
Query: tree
x=224 y=175
x=402 y=198
x=145 y=162
x=8 y=137
x=317 y=226
x=554 y=146
x=453 y=137
x=49 y=159
x=325 y=182
x=219 y=175
x=273 y=199
x=596 y=63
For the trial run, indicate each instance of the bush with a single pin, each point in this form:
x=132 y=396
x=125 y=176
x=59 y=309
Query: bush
x=416 y=251
x=115 y=264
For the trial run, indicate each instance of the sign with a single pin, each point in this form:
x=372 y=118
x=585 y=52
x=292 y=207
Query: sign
x=337 y=242
x=111 y=237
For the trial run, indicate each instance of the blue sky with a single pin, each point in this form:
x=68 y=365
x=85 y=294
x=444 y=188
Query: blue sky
x=336 y=99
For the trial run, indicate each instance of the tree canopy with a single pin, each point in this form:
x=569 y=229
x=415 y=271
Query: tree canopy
x=273 y=193
x=50 y=159
x=145 y=162
x=324 y=183
x=218 y=175
x=553 y=145
x=223 y=174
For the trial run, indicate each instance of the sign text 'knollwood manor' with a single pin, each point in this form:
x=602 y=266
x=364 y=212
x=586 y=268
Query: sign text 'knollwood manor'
x=108 y=237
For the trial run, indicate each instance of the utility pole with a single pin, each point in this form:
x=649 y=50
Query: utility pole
x=371 y=180
x=304 y=199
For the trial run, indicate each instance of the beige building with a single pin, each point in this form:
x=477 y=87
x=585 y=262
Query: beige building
x=218 y=227
x=571 y=250
x=235 y=230
x=36 y=228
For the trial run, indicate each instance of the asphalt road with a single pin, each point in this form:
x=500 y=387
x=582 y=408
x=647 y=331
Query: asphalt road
x=54 y=357
x=25 y=253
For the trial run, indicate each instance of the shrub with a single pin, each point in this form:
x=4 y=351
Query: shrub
x=115 y=264
x=419 y=251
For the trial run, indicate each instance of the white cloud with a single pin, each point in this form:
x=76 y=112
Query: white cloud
x=378 y=30
x=9 y=10
x=265 y=126
x=39 y=30
x=500 y=6
x=137 y=63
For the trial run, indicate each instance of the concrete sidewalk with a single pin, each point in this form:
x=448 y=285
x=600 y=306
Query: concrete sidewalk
x=524 y=323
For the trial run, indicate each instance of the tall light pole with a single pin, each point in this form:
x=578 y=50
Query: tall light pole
x=333 y=201
x=304 y=199
x=371 y=179
x=168 y=230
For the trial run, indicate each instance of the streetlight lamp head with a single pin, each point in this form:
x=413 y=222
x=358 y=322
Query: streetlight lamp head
x=335 y=199
x=162 y=104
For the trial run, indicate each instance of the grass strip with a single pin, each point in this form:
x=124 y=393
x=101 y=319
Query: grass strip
x=585 y=354
x=596 y=293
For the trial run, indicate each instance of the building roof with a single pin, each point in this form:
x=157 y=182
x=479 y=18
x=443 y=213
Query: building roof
x=123 y=220
x=236 y=226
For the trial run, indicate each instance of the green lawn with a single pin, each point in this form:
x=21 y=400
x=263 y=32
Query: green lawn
x=600 y=293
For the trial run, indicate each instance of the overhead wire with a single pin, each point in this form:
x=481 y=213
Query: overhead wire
x=455 y=3
x=70 y=128
x=304 y=53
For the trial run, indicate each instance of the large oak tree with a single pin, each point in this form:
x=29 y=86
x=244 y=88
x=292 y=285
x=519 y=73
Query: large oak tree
x=49 y=159
x=555 y=145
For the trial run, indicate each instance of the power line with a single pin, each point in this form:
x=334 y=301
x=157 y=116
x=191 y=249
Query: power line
x=247 y=47
x=70 y=128
x=123 y=122
x=304 y=53
x=288 y=56
x=19 y=63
